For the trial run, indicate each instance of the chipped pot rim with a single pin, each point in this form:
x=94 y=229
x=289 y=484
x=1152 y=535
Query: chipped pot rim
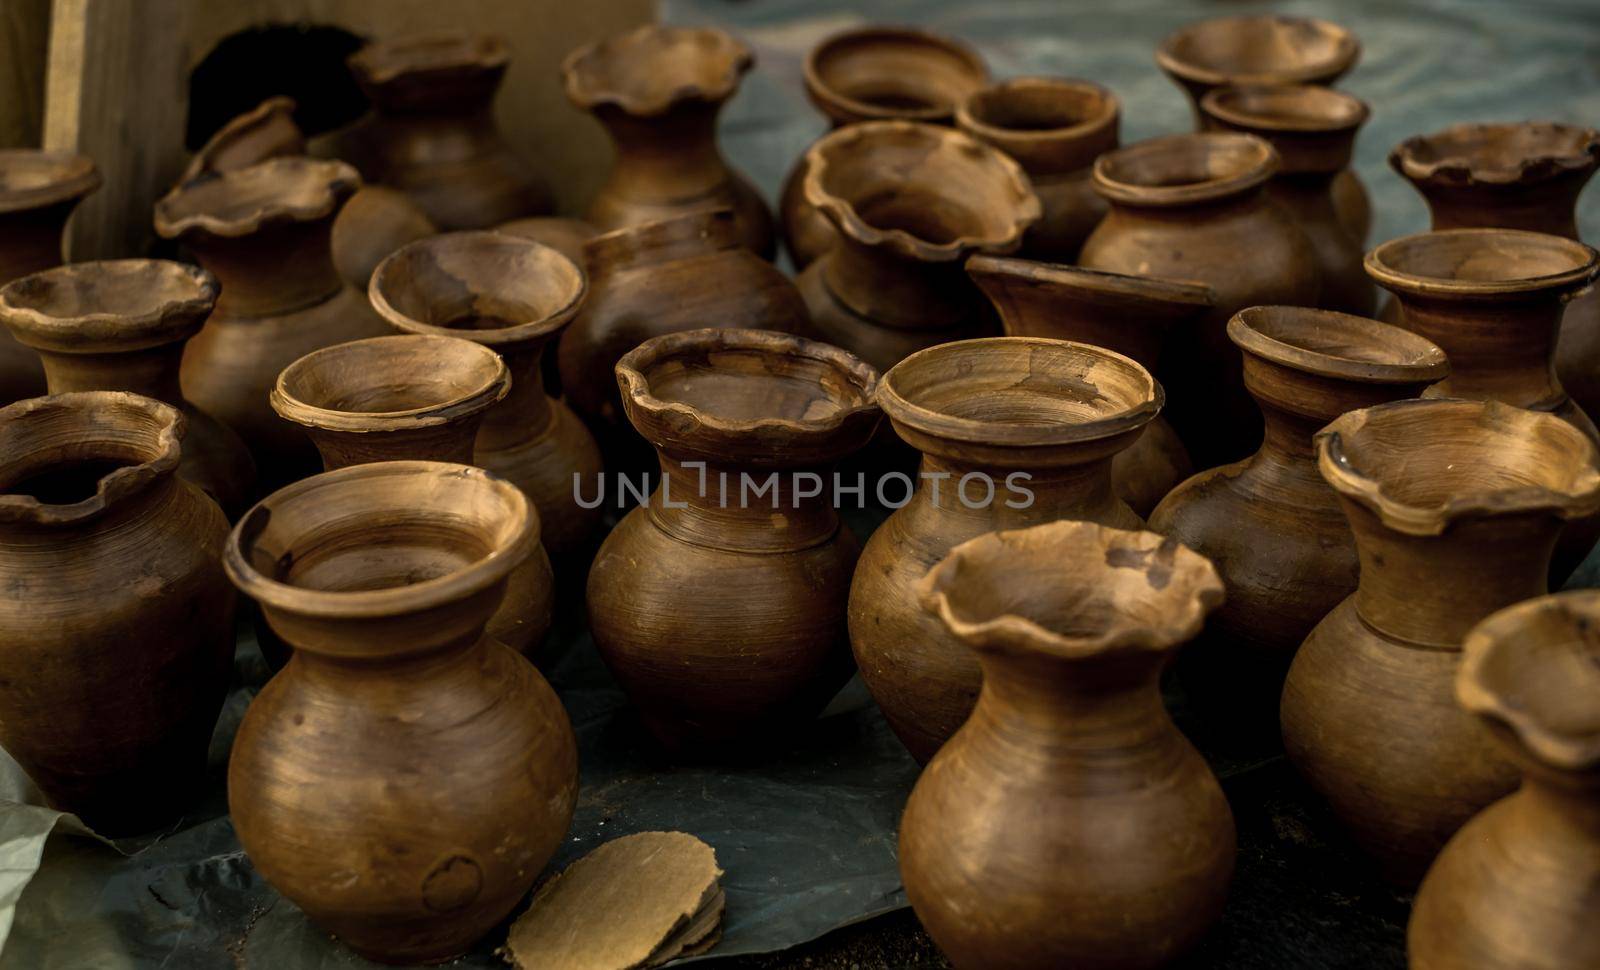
x=1462 y=168
x=323 y=186
x=584 y=71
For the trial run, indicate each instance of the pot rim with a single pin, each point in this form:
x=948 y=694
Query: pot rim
x=315 y=190
x=1415 y=359
x=583 y=71
x=834 y=101
x=1109 y=115
x=1156 y=291
x=1347 y=49
x=1379 y=265
x=108 y=330
x=1463 y=169
x=240 y=127
x=385 y=60
x=1254 y=174
x=68 y=176
x=1221 y=104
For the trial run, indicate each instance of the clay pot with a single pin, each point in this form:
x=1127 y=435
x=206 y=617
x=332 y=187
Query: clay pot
x=513 y=296
x=1455 y=506
x=434 y=135
x=38 y=191
x=1013 y=431
x=117 y=624
x=722 y=618
x=1516 y=887
x=1270 y=523
x=406 y=777
x=1190 y=207
x=911 y=202
x=877 y=73
x=1314 y=132
x=266 y=131
x=565 y=236
x=1055 y=128
x=263 y=231
x=121 y=326
x=657 y=91
x=1131 y=315
x=1069 y=762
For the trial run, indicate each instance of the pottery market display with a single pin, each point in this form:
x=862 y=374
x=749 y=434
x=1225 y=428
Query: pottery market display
x=406 y=777
x=1518 y=886
x=117 y=623
x=1013 y=431
x=719 y=605
x=121 y=325
x=657 y=91
x=1069 y=763
x=1455 y=506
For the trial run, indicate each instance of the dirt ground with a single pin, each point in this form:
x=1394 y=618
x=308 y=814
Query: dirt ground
x=892 y=942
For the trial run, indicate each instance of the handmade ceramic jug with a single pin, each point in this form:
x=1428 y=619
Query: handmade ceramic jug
x=117 y=624
x=874 y=73
x=1313 y=130
x=38 y=191
x=1013 y=431
x=1055 y=128
x=263 y=231
x=406 y=777
x=121 y=325
x=1455 y=506
x=1270 y=523
x=658 y=91
x=1519 y=885
x=1069 y=763
x=911 y=202
x=565 y=236
x=1190 y=207
x=719 y=604
x=1131 y=315
x=513 y=296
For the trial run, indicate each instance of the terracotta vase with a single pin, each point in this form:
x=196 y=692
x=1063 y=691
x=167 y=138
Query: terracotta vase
x=406 y=777
x=121 y=326
x=1313 y=130
x=1055 y=128
x=1131 y=315
x=1455 y=506
x=1519 y=885
x=513 y=296
x=719 y=604
x=911 y=203
x=38 y=191
x=874 y=73
x=1013 y=431
x=657 y=91
x=1270 y=523
x=1069 y=762
x=117 y=624
x=565 y=236
x=1189 y=207
x=263 y=231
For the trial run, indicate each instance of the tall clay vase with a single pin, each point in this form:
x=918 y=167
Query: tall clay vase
x=513 y=296
x=719 y=605
x=406 y=777
x=875 y=73
x=1131 y=315
x=1455 y=506
x=117 y=624
x=1270 y=523
x=911 y=203
x=38 y=191
x=1013 y=431
x=1055 y=128
x=1069 y=763
x=121 y=325
x=657 y=91
x=1519 y=885
x=1194 y=207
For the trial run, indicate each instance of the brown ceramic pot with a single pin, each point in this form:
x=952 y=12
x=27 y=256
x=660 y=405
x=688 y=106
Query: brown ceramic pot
x=875 y=73
x=513 y=296
x=1069 y=763
x=121 y=326
x=406 y=777
x=1455 y=506
x=38 y=191
x=1519 y=885
x=1055 y=128
x=266 y=131
x=657 y=91
x=911 y=202
x=565 y=236
x=1013 y=431
x=1193 y=207
x=719 y=608
x=1131 y=315
x=117 y=624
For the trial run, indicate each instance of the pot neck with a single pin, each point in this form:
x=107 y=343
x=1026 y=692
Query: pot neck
x=152 y=372
x=1073 y=491
x=280 y=269
x=1498 y=350
x=668 y=158
x=30 y=240
x=450 y=442
x=726 y=506
x=1295 y=404
x=898 y=291
x=1552 y=806
x=526 y=412
x=1548 y=206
